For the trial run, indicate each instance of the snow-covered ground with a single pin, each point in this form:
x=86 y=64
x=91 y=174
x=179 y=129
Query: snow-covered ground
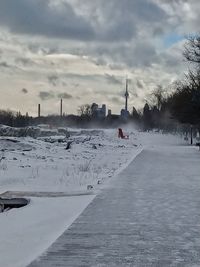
x=35 y=165
x=44 y=166
x=41 y=165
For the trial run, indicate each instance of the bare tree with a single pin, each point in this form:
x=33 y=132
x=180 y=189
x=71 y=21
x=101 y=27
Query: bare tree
x=193 y=79
x=192 y=49
x=85 y=110
x=158 y=96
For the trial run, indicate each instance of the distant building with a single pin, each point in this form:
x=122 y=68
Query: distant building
x=98 y=112
x=103 y=110
x=124 y=113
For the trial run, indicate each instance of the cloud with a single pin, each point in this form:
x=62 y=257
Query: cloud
x=88 y=47
x=117 y=100
x=65 y=20
x=117 y=20
x=36 y=17
x=134 y=94
x=53 y=79
x=4 y=64
x=64 y=96
x=139 y=84
x=184 y=15
x=24 y=61
x=46 y=95
x=129 y=38
x=24 y=91
x=112 y=79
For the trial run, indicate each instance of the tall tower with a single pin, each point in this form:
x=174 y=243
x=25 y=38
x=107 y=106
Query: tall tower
x=126 y=96
x=61 y=107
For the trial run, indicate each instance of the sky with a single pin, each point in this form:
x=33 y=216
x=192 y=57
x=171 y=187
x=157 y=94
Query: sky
x=82 y=51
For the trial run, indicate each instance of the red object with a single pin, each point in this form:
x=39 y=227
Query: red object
x=121 y=134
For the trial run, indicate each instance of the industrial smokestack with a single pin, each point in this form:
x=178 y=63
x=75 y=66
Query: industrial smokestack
x=38 y=110
x=61 y=108
x=126 y=96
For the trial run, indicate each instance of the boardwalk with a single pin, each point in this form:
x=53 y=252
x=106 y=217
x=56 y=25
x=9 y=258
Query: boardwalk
x=150 y=216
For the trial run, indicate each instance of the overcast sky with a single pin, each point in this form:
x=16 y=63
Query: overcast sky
x=82 y=50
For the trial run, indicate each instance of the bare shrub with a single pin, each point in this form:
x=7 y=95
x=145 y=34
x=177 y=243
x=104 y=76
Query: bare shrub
x=3 y=166
x=84 y=167
x=35 y=172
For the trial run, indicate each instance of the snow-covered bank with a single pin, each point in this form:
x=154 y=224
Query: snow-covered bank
x=28 y=164
x=32 y=164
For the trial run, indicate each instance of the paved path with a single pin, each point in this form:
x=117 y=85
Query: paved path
x=150 y=216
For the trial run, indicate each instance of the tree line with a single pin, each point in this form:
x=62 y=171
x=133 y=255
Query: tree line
x=181 y=107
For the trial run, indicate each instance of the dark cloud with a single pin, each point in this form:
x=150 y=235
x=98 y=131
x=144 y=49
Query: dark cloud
x=24 y=91
x=24 y=61
x=75 y=76
x=119 y=20
x=44 y=50
x=107 y=21
x=139 y=84
x=184 y=15
x=176 y=2
x=64 y=96
x=104 y=21
x=147 y=10
x=9 y=67
x=64 y=83
x=141 y=53
x=158 y=31
x=4 y=64
x=112 y=79
x=116 y=66
x=76 y=85
x=99 y=62
x=144 y=54
x=46 y=95
x=116 y=99
x=53 y=79
x=36 y=17
x=122 y=29
x=135 y=94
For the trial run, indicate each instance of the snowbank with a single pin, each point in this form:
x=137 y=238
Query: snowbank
x=42 y=165
x=28 y=164
x=31 y=131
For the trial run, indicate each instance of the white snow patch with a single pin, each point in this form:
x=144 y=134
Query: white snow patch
x=27 y=232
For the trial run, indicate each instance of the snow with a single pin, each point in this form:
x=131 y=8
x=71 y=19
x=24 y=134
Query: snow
x=44 y=165
x=28 y=231
x=49 y=167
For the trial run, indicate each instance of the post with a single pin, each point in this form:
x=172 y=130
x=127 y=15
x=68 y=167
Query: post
x=191 y=135
x=61 y=108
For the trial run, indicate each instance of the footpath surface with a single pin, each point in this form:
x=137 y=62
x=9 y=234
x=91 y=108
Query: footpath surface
x=148 y=216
